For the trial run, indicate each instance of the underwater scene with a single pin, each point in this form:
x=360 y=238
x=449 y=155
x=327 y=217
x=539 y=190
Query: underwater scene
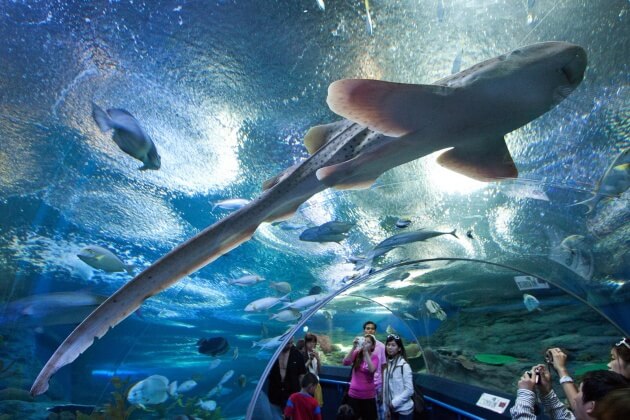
x=187 y=185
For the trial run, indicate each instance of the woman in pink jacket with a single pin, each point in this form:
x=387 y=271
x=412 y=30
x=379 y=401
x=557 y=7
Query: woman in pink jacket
x=362 y=392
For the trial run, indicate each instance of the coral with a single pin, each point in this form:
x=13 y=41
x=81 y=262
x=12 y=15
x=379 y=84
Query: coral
x=326 y=344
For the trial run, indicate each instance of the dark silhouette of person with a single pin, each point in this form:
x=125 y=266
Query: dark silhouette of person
x=286 y=374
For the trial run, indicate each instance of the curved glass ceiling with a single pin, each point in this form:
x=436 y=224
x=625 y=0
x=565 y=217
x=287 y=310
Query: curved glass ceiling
x=227 y=90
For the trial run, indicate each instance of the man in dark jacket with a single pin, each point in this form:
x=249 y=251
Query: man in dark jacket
x=285 y=375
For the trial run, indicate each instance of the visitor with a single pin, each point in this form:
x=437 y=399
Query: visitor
x=595 y=385
x=302 y=405
x=313 y=363
x=614 y=406
x=397 y=381
x=362 y=392
x=285 y=375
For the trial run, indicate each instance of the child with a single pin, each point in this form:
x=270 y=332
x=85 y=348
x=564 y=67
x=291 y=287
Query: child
x=302 y=405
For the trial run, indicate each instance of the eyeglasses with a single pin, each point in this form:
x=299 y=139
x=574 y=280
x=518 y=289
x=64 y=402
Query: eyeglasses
x=395 y=337
x=624 y=342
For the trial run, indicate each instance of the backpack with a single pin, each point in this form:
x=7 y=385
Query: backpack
x=417 y=398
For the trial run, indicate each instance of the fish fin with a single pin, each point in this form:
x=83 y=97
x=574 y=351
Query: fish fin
x=389 y=108
x=454 y=234
x=591 y=203
x=270 y=183
x=101 y=118
x=129 y=268
x=172 y=388
x=486 y=161
x=340 y=176
x=143 y=167
x=319 y=135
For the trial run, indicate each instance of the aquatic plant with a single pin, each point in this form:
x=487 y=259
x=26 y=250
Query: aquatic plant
x=117 y=409
x=495 y=359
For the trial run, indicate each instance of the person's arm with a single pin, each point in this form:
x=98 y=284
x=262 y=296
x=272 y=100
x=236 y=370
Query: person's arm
x=288 y=409
x=525 y=398
x=350 y=356
x=407 y=393
x=559 y=363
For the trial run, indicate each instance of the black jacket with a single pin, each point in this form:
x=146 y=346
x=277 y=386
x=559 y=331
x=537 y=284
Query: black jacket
x=279 y=392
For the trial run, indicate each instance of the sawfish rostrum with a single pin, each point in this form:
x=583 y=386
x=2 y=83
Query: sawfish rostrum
x=128 y=135
x=387 y=124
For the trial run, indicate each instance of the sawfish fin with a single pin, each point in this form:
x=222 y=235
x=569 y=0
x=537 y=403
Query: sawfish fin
x=319 y=135
x=357 y=173
x=485 y=161
x=394 y=109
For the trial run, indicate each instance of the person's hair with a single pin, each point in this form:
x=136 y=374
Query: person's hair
x=345 y=412
x=622 y=351
x=359 y=357
x=310 y=337
x=614 y=406
x=399 y=343
x=309 y=379
x=366 y=323
x=597 y=383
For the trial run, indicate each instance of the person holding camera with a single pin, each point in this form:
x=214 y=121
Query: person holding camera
x=619 y=363
x=594 y=387
x=313 y=364
x=362 y=391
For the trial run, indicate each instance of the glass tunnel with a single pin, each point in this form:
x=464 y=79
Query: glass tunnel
x=479 y=278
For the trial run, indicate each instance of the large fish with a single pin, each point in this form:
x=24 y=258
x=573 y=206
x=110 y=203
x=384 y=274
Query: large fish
x=614 y=182
x=128 y=135
x=388 y=124
x=46 y=309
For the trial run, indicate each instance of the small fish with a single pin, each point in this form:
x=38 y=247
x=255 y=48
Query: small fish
x=265 y=303
x=153 y=390
x=246 y=280
x=214 y=363
x=230 y=204
x=284 y=225
x=457 y=62
x=530 y=302
x=410 y=237
x=281 y=286
x=128 y=135
x=235 y=353
x=269 y=343
x=242 y=380
x=287 y=315
x=469 y=234
x=409 y=316
x=226 y=377
x=321 y=4
x=103 y=259
x=186 y=386
x=209 y=405
x=305 y=302
x=333 y=231
x=435 y=309
x=614 y=182
x=403 y=222
x=368 y=18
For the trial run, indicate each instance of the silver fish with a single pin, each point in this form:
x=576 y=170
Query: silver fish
x=470 y=111
x=409 y=237
x=128 y=135
x=103 y=259
x=614 y=182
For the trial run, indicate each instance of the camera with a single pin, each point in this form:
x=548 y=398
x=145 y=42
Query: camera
x=549 y=357
x=360 y=341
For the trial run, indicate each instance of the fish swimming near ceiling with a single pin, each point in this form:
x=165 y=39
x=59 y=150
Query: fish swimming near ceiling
x=230 y=204
x=103 y=259
x=247 y=280
x=128 y=135
x=47 y=309
x=332 y=231
x=531 y=303
x=614 y=182
x=410 y=237
x=387 y=124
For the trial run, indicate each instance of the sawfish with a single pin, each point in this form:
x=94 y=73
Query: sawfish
x=385 y=125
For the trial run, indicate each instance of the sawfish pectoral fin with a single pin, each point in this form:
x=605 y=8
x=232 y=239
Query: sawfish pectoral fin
x=394 y=109
x=268 y=184
x=319 y=135
x=348 y=175
x=485 y=161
